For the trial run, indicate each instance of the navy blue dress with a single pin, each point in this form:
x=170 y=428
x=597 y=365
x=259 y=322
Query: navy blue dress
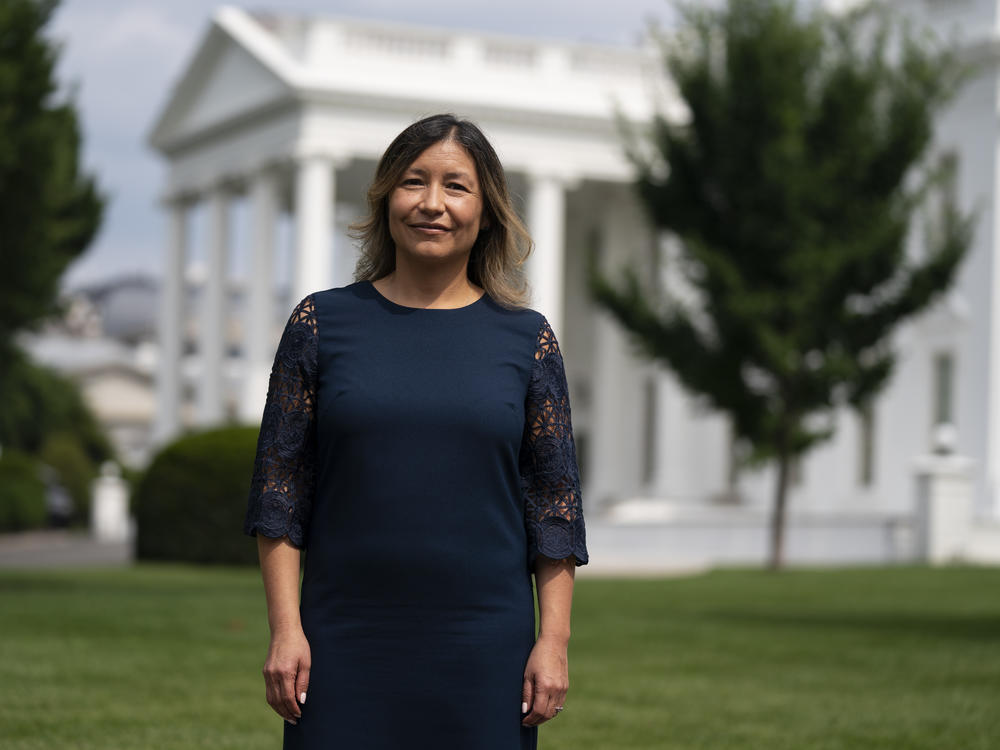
x=423 y=458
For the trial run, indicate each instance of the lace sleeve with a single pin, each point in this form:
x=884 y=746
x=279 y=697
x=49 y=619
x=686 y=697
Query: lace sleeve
x=550 y=479
x=284 y=474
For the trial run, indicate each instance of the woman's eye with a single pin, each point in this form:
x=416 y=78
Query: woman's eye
x=411 y=181
x=455 y=186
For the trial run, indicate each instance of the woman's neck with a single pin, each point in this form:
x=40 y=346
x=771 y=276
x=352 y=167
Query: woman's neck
x=435 y=288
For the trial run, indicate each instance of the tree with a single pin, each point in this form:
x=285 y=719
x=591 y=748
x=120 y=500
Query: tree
x=42 y=404
x=49 y=213
x=790 y=189
x=49 y=209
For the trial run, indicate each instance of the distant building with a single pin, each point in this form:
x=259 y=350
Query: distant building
x=107 y=343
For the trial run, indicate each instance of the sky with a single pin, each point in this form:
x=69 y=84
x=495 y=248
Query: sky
x=121 y=57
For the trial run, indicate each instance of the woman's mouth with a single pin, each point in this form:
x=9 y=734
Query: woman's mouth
x=430 y=228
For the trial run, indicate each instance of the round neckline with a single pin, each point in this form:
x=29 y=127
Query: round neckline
x=424 y=309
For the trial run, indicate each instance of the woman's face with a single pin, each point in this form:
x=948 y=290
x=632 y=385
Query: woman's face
x=436 y=210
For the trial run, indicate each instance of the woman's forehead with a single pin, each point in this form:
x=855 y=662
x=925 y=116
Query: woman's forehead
x=447 y=154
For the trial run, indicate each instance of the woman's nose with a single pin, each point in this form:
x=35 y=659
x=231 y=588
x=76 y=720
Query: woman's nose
x=433 y=199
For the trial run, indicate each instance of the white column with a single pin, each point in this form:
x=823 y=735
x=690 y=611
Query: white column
x=314 y=196
x=546 y=222
x=670 y=421
x=611 y=426
x=989 y=339
x=616 y=450
x=673 y=412
x=212 y=318
x=109 y=519
x=171 y=329
x=258 y=346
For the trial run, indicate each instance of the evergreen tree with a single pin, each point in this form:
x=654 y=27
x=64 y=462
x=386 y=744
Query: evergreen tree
x=49 y=209
x=49 y=213
x=790 y=188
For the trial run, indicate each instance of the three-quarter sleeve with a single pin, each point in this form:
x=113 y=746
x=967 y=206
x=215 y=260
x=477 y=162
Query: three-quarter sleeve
x=284 y=474
x=550 y=477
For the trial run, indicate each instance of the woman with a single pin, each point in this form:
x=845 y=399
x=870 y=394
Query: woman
x=417 y=442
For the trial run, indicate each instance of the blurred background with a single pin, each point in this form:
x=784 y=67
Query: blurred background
x=230 y=149
x=764 y=238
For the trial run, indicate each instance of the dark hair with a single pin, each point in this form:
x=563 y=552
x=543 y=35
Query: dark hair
x=497 y=257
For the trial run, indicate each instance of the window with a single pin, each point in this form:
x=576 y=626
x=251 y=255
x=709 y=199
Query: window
x=944 y=376
x=796 y=475
x=649 y=433
x=866 y=445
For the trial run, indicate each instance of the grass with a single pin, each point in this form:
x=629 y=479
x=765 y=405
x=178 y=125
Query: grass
x=169 y=657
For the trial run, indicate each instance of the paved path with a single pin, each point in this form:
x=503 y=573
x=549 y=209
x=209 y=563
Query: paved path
x=614 y=551
x=60 y=548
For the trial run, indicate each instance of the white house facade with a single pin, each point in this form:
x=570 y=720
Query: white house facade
x=277 y=123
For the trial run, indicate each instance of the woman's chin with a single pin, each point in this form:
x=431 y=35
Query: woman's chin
x=435 y=254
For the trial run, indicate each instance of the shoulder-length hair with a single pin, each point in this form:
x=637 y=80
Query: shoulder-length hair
x=496 y=261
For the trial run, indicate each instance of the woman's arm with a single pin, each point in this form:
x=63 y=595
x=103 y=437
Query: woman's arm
x=553 y=515
x=546 y=676
x=286 y=670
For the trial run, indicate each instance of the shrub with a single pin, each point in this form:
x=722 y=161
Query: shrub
x=191 y=501
x=39 y=402
x=133 y=477
x=22 y=493
x=64 y=452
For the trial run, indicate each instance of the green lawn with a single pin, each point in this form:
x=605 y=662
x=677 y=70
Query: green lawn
x=169 y=657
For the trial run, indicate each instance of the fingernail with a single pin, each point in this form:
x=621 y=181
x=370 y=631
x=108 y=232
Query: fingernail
x=524 y=708
x=291 y=721
x=302 y=698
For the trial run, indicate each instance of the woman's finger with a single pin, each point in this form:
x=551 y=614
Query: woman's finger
x=280 y=689
x=273 y=694
x=552 y=701
x=539 y=705
x=268 y=692
x=558 y=700
x=302 y=683
x=288 y=697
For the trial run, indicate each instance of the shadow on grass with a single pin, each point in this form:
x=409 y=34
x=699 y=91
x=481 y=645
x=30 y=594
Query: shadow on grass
x=12 y=583
x=983 y=627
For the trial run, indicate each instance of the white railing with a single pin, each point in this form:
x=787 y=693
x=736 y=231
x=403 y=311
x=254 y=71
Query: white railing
x=509 y=55
x=487 y=53
x=397 y=44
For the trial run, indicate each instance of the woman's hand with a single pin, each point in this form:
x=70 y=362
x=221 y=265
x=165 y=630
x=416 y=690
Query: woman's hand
x=286 y=673
x=546 y=680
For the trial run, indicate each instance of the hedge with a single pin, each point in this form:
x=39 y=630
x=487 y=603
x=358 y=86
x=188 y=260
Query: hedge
x=191 y=501
x=22 y=493
x=65 y=453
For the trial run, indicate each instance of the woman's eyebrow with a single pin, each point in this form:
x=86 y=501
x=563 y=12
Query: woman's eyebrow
x=447 y=175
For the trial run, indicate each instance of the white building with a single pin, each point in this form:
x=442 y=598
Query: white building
x=106 y=342
x=278 y=120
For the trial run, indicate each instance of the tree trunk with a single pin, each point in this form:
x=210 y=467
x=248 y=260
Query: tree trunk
x=777 y=552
